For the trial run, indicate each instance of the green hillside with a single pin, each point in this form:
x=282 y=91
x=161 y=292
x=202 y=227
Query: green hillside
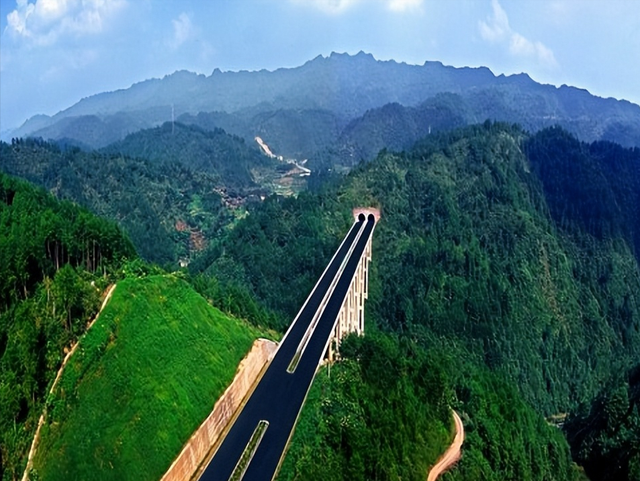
x=476 y=247
x=380 y=413
x=293 y=133
x=505 y=283
x=168 y=210
x=227 y=158
x=480 y=259
x=56 y=259
x=145 y=376
x=605 y=434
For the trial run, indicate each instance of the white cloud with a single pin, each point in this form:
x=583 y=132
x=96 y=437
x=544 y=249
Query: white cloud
x=328 y=6
x=17 y=19
x=182 y=30
x=335 y=7
x=43 y=22
x=520 y=46
x=496 y=30
x=403 y=5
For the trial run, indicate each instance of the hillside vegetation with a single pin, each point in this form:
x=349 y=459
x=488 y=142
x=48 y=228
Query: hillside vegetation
x=55 y=260
x=145 y=376
x=474 y=249
x=380 y=413
x=168 y=210
x=294 y=133
x=397 y=127
x=479 y=252
x=228 y=159
x=605 y=433
x=505 y=284
x=389 y=393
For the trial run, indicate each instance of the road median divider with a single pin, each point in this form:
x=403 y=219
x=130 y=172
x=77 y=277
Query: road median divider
x=316 y=317
x=205 y=439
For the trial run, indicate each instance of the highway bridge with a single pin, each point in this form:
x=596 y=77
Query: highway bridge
x=255 y=444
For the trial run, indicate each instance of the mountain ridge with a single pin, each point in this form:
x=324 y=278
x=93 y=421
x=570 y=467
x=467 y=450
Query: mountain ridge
x=345 y=85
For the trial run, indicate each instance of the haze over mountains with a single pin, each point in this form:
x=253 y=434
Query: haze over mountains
x=330 y=102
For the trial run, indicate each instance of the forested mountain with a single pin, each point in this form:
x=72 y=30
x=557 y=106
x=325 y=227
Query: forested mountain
x=475 y=247
x=333 y=91
x=605 y=434
x=278 y=250
x=392 y=394
x=228 y=159
x=294 y=133
x=481 y=259
x=392 y=127
x=398 y=127
x=506 y=263
x=592 y=189
x=55 y=259
x=167 y=209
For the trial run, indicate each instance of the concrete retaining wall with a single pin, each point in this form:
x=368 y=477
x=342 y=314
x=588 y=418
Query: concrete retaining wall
x=195 y=451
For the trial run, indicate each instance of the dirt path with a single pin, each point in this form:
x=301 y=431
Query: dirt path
x=36 y=438
x=451 y=455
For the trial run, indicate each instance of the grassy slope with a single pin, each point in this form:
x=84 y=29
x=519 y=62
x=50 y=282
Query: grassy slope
x=146 y=376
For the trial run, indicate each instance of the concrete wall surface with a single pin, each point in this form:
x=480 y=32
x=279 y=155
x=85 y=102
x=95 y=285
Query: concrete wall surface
x=207 y=435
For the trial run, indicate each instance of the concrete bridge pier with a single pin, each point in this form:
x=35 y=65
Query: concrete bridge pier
x=351 y=317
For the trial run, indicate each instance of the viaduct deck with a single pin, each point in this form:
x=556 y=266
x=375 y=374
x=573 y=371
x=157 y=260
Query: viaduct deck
x=280 y=394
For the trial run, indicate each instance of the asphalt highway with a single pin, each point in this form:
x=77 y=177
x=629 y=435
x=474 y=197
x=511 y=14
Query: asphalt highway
x=279 y=396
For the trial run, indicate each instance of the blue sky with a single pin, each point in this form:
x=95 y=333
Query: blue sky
x=55 y=52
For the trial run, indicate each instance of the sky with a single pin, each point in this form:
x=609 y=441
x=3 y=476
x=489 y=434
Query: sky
x=55 y=52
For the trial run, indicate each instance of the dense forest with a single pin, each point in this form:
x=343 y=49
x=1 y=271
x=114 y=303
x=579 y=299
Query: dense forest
x=168 y=210
x=470 y=249
x=478 y=251
x=55 y=260
x=505 y=284
x=227 y=158
x=382 y=412
x=605 y=434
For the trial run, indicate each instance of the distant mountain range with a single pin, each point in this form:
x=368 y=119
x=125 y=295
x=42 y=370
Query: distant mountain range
x=327 y=103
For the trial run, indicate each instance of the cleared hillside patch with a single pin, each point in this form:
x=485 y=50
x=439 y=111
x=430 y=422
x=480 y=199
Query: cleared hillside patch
x=143 y=379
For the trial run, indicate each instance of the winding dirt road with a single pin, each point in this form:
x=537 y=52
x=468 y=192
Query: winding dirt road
x=451 y=455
